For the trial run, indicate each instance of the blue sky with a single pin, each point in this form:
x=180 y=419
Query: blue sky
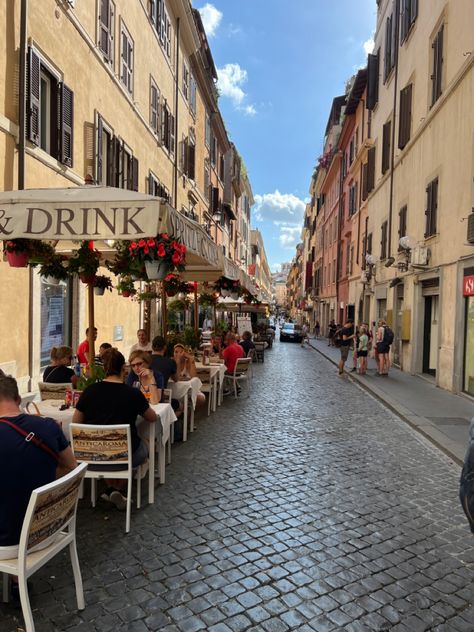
x=280 y=63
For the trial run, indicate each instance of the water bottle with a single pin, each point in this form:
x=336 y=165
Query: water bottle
x=77 y=367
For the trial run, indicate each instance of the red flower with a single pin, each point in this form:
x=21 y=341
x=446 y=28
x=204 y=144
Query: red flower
x=133 y=245
x=161 y=252
x=142 y=243
x=164 y=236
x=176 y=259
x=151 y=243
x=146 y=250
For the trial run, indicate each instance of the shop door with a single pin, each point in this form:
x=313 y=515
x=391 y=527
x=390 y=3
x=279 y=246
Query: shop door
x=430 y=335
x=397 y=343
x=469 y=348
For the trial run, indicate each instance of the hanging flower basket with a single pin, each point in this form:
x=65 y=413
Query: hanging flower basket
x=206 y=299
x=126 y=294
x=85 y=262
x=102 y=283
x=234 y=296
x=18 y=252
x=99 y=291
x=125 y=287
x=156 y=270
x=173 y=285
x=17 y=259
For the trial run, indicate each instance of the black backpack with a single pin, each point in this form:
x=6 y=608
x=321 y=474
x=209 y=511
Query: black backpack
x=466 y=488
x=388 y=336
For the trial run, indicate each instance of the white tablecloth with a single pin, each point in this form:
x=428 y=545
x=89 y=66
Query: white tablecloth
x=167 y=417
x=179 y=389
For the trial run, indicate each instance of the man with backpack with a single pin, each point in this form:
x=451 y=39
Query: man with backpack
x=384 y=341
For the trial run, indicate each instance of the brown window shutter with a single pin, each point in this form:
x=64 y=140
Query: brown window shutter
x=215 y=199
x=67 y=124
x=439 y=76
x=373 y=80
x=118 y=163
x=100 y=138
x=429 y=200
x=134 y=179
x=386 y=147
x=370 y=169
x=364 y=181
x=192 y=161
x=172 y=133
x=33 y=111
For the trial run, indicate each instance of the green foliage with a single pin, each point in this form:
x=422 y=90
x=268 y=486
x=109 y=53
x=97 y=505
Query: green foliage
x=93 y=374
x=191 y=338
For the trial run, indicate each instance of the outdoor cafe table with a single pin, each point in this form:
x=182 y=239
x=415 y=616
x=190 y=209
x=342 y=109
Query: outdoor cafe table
x=216 y=379
x=186 y=390
x=166 y=416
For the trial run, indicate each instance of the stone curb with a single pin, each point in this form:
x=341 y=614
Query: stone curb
x=421 y=424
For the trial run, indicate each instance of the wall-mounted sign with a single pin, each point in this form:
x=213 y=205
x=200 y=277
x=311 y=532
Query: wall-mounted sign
x=468 y=286
x=118 y=333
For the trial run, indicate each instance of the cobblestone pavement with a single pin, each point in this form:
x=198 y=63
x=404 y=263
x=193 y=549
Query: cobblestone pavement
x=308 y=506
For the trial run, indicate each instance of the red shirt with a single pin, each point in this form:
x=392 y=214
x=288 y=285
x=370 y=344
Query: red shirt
x=82 y=349
x=231 y=354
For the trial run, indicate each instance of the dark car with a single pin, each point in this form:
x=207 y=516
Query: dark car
x=290 y=331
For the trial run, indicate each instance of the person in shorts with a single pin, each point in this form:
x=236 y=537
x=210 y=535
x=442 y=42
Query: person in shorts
x=363 y=350
x=347 y=336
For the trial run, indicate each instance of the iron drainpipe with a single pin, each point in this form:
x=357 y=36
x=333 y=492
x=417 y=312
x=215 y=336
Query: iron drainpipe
x=392 y=157
x=175 y=168
x=21 y=164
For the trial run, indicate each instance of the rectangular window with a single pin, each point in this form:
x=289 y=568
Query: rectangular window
x=192 y=95
x=437 y=65
x=390 y=46
x=402 y=224
x=404 y=129
x=185 y=81
x=386 y=146
x=106 y=29
x=156 y=188
x=106 y=162
x=334 y=271
x=351 y=151
x=369 y=244
x=126 y=59
x=351 y=263
x=221 y=168
x=50 y=110
x=364 y=182
x=431 y=208
x=408 y=17
x=167 y=128
x=154 y=106
x=383 y=241
x=370 y=169
x=373 y=80
x=207 y=133
x=348 y=258
x=207 y=178
x=214 y=151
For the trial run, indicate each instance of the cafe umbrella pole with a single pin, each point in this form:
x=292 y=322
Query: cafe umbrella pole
x=196 y=309
x=90 y=295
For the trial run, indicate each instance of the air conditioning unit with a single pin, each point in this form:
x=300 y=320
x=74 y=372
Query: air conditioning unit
x=420 y=256
x=470 y=228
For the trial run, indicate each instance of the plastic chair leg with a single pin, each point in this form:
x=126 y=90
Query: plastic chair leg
x=129 y=505
x=6 y=587
x=77 y=576
x=93 y=492
x=25 y=604
x=139 y=487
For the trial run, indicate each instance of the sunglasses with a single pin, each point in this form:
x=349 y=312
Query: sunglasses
x=134 y=364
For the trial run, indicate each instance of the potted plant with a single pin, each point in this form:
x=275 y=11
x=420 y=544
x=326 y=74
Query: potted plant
x=191 y=338
x=206 y=299
x=125 y=287
x=174 y=285
x=18 y=252
x=223 y=286
x=92 y=374
x=147 y=296
x=236 y=290
x=123 y=264
x=159 y=255
x=179 y=305
x=54 y=269
x=102 y=283
x=85 y=262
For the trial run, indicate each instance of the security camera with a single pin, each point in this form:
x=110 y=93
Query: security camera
x=406 y=243
x=371 y=259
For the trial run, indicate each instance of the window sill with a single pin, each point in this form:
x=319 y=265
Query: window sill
x=53 y=163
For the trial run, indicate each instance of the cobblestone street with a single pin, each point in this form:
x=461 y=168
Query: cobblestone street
x=308 y=506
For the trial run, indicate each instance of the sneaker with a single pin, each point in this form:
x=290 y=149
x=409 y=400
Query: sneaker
x=354 y=369
x=341 y=372
x=118 y=500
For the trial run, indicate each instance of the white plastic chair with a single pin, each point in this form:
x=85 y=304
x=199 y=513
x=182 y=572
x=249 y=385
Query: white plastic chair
x=242 y=373
x=106 y=448
x=206 y=387
x=49 y=526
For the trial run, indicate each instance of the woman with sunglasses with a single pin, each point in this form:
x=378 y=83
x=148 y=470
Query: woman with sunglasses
x=151 y=383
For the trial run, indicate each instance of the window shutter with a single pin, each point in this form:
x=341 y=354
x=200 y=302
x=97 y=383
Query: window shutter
x=404 y=19
x=67 y=124
x=100 y=138
x=405 y=116
x=393 y=32
x=364 y=182
x=172 y=133
x=413 y=11
x=439 y=62
x=429 y=193
x=356 y=193
x=153 y=12
x=370 y=169
x=373 y=80
x=184 y=155
x=386 y=146
x=164 y=124
x=191 y=161
x=134 y=179
x=215 y=200
x=33 y=121
x=434 y=207
x=118 y=158
x=388 y=41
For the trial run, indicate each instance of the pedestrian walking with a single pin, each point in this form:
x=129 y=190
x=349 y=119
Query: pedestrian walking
x=317 y=329
x=347 y=335
x=384 y=339
x=304 y=331
x=331 y=331
x=355 y=347
x=466 y=484
x=363 y=350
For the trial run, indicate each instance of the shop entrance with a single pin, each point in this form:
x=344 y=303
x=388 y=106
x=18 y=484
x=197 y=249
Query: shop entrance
x=430 y=335
x=397 y=343
x=469 y=347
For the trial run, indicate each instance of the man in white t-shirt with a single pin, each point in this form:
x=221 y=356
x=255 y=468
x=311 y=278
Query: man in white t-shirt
x=143 y=343
x=207 y=324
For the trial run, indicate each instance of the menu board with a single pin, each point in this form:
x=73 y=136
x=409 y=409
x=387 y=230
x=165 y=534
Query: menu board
x=244 y=323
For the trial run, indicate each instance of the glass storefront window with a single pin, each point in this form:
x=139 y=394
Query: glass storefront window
x=469 y=347
x=55 y=318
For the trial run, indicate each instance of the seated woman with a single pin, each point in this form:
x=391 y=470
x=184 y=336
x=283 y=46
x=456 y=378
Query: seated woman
x=141 y=375
x=112 y=402
x=186 y=369
x=58 y=371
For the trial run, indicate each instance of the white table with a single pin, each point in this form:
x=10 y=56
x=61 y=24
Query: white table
x=186 y=391
x=147 y=431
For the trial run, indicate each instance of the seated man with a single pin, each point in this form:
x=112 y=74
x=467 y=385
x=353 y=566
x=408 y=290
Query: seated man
x=231 y=353
x=246 y=343
x=25 y=465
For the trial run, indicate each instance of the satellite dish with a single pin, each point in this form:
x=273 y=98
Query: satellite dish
x=406 y=243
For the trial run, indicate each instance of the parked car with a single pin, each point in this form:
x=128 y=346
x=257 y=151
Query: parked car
x=291 y=331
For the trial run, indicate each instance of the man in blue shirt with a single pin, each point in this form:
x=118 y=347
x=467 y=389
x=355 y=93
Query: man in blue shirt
x=25 y=464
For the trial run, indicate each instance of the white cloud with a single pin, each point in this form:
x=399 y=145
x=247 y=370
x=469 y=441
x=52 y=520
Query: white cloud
x=231 y=79
x=368 y=45
x=289 y=236
x=211 y=18
x=282 y=209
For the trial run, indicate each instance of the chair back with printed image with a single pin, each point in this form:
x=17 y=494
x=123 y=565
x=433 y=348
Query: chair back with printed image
x=206 y=386
x=49 y=390
x=48 y=527
x=108 y=451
